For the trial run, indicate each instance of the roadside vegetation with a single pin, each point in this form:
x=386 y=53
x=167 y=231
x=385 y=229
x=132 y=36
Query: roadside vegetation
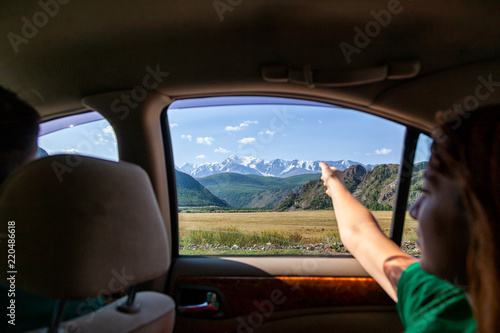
x=215 y=209
x=257 y=215
x=311 y=232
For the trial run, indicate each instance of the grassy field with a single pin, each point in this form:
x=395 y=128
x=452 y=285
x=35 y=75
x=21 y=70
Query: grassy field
x=287 y=232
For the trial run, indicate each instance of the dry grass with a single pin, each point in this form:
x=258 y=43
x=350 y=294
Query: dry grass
x=311 y=226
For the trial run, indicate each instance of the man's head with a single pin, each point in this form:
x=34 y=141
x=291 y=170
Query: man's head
x=18 y=132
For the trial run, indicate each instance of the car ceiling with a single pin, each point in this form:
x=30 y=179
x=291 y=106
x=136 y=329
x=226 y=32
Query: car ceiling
x=93 y=47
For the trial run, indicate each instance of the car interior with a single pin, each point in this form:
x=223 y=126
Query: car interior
x=129 y=62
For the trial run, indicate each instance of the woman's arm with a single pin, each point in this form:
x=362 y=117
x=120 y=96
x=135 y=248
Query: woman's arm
x=361 y=235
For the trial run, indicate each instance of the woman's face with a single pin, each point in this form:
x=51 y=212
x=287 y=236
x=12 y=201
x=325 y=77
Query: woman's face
x=443 y=232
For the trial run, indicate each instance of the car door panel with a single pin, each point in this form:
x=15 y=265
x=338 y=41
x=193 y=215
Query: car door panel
x=261 y=294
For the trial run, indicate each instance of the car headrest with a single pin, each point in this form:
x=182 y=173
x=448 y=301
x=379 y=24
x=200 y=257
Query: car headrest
x=83 y=227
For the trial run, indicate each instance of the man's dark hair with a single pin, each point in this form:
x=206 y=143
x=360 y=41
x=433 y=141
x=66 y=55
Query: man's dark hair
x=18 y=132
x=18 y=124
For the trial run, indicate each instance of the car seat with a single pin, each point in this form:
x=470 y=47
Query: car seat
x=86 y=228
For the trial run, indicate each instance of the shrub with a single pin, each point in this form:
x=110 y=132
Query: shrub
x=295 y=237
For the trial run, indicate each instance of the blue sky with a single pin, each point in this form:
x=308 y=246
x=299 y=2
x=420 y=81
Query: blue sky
x=304 y=132
x=266 y=128
x=96 y=139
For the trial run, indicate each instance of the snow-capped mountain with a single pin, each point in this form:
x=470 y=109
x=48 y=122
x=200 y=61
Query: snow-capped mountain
x=256 y=166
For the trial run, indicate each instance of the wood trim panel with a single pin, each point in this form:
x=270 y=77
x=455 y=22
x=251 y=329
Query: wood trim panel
x=244 y=295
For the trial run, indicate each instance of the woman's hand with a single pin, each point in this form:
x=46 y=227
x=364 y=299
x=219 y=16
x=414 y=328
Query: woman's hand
x=362 y=236
x=327 y=174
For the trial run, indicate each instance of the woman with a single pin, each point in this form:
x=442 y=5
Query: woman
x=458 y=214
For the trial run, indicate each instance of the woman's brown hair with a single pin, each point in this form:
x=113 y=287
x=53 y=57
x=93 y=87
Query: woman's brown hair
x=467 y=146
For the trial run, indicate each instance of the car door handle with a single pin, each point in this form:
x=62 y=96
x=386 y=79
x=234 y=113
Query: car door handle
x=211 y=306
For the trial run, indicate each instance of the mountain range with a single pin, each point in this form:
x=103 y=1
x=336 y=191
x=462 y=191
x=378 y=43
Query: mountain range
x=256 y=166
x=253 y=191
x=375 y=189
x=190 y=193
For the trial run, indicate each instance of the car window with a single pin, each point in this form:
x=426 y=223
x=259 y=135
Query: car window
x=88 y=134
x=248 y=176
x=422 y=156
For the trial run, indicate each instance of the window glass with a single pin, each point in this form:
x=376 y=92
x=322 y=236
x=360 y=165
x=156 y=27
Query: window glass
x=422 y=156
x=248 y=176
x=86 y=134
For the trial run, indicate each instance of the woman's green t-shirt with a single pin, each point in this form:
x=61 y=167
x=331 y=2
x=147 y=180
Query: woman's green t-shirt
x=427 y=303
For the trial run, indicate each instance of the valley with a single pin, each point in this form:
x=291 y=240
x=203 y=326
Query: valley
x=297 y=232
x=252 y=191
x=374 y=188
x=247 y=214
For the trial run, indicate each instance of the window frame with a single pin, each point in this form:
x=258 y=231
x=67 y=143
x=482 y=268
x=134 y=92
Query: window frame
x=405 y=171
x=63 y=122
x=403 y=186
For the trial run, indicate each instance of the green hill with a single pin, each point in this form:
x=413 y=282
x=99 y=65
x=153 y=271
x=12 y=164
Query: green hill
x=190 y=193
x=252 y=191
x=416 y=182
x=375 y=188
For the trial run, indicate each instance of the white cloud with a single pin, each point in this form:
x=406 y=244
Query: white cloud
x=382 y=151
x=221 y=150
x=71 y=151
x=320 y=121
x=201 y=156
x=108 y=130
x=268 y=132
x=208 y=140
x=174 y=125
x=100 y=140
x=187 y=137
x=97 y=137
x=241 y=125
x=246 y=140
